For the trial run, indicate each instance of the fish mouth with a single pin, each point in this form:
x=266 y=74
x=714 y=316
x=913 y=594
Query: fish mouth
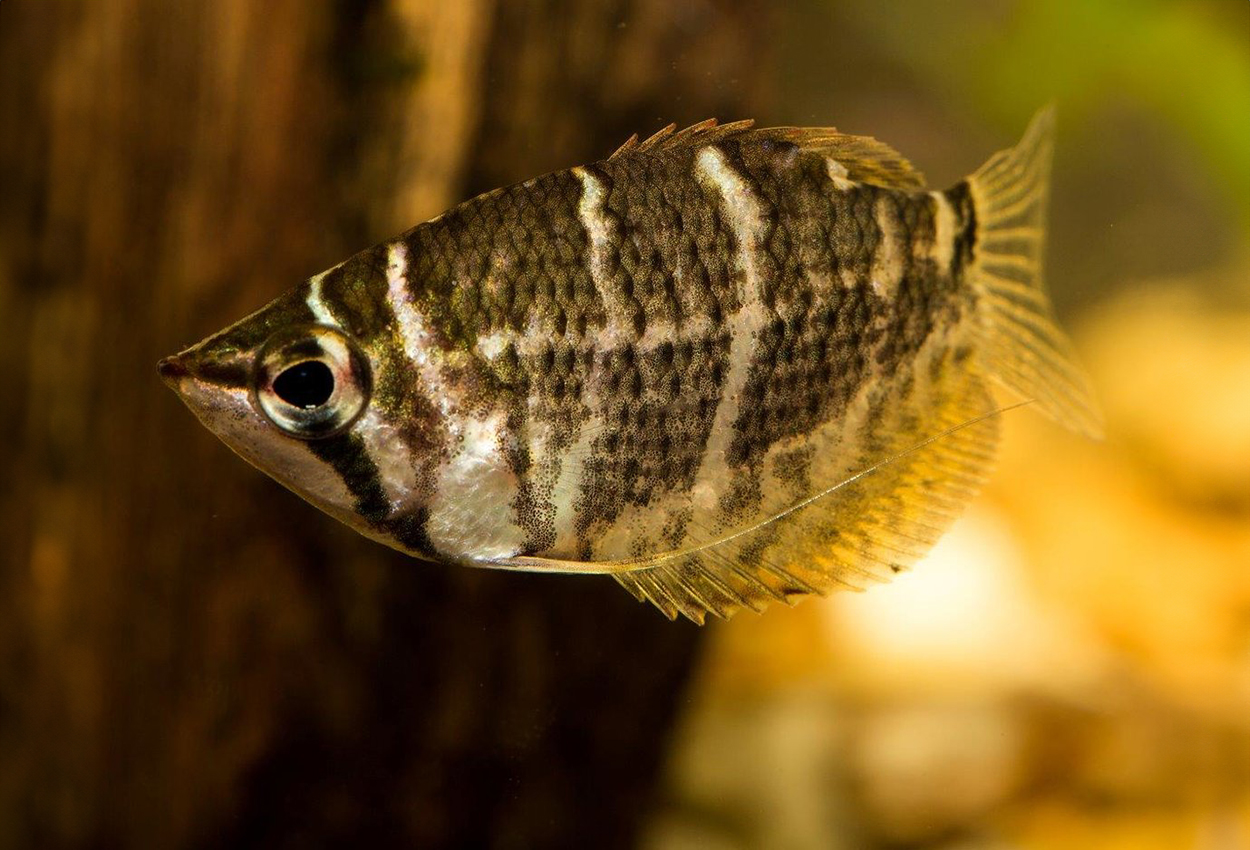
x=172 y=370
x=190 y=368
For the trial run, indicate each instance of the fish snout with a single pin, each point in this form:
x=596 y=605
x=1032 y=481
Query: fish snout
x=172 y=370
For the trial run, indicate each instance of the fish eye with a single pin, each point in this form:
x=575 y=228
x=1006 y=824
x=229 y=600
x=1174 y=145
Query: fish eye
x=311 y=382
x=307 y=385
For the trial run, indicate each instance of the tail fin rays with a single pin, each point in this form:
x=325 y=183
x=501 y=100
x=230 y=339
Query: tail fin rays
x=1022 y=346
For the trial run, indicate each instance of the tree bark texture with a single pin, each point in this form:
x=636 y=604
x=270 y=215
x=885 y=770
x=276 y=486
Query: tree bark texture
x=189 y=656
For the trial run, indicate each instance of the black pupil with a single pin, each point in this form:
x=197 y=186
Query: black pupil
x=308 y=384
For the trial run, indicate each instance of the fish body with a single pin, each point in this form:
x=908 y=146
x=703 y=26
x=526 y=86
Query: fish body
x=726 y=365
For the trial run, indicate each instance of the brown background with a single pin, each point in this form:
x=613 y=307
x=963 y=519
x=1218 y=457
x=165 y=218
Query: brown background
x=189 y=656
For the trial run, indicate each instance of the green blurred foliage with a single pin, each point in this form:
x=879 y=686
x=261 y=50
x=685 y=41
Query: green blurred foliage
x=1187 y=62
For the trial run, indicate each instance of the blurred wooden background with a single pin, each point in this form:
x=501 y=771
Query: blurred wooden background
x=188 y=655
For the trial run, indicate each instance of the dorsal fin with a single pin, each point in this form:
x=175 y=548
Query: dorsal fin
x=670 y=138
x=865 y=159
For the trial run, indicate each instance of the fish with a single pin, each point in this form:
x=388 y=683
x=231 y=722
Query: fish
x=727 y=366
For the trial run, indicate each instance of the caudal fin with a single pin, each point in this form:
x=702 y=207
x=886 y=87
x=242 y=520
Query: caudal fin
x=1021 y=344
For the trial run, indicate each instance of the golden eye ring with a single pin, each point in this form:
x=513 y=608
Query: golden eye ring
x=312 y=381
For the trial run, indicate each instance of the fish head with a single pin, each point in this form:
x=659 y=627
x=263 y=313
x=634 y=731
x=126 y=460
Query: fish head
x=308 y=390
x=272 y=386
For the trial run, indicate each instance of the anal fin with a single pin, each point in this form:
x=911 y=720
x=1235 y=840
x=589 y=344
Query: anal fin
x=859 y=530
x=882 y=492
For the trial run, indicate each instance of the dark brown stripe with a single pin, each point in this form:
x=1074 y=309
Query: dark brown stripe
x=232 y=374
x=960 y=198
x=350 y=458
x=410 y=532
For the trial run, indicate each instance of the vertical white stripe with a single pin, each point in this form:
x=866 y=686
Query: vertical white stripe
x=568 y=486
x=944 y=224
x=389 y=452
x=617 y=330
x=838 y=174
x=841 y=179
x=746 y=219
x=413 y=330
x=471 y=514
x=590 y=210
x=887 y=261
x=316 y=303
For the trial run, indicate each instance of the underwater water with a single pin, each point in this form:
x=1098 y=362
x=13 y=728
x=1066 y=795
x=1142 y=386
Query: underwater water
x=191 y=656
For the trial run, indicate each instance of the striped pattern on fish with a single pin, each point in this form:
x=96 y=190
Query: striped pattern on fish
x=673 y=366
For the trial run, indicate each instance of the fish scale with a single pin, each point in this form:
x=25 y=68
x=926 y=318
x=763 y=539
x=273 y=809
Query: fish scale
x=726 y=366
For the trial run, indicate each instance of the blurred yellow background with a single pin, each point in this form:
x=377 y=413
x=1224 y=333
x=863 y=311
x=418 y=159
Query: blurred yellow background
x=1070 y=667
x=191 y=657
